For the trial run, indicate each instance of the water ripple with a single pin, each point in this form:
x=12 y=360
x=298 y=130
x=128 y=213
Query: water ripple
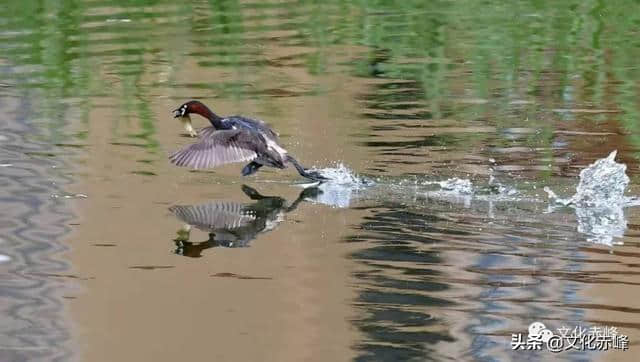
x=34 y=326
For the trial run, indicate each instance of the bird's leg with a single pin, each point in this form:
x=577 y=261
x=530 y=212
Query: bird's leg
x=311 y=175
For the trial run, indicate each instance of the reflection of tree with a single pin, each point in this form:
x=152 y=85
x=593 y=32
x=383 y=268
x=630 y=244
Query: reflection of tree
x=552 y=56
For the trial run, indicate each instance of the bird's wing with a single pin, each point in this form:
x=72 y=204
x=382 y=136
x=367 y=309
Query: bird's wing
x=220 y=147
x=266 y=128
x=214 y=215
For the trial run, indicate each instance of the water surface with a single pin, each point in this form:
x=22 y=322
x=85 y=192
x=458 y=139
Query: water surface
x=97 y=263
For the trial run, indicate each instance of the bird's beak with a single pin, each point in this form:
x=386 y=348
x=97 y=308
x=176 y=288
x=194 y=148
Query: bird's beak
x=176 y=113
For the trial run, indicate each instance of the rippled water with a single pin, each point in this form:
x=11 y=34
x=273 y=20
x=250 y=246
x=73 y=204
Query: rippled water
x=33 y=273
x=440 y=122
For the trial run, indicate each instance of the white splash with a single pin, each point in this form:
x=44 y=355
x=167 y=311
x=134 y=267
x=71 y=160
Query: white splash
x=601 y=184
x=453 y=185
x=455 y=190
x=341 y=187
x=343 y=175
x=457 y=185
x=464 y=191
x=602 y=225
x=4 y=258
x=599 y=200
x=505 y=193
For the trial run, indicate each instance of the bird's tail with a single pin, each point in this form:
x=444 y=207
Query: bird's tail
x=311 y=175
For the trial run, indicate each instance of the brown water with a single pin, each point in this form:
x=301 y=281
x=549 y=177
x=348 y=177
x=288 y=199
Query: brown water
x=95 y=263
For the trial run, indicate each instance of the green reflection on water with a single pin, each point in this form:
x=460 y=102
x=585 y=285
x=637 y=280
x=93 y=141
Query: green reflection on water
x=570 y=54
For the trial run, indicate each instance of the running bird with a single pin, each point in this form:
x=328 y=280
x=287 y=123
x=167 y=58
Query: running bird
x=233 y=139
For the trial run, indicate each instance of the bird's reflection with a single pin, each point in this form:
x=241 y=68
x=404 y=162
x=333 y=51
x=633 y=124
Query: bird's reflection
x=233 y=224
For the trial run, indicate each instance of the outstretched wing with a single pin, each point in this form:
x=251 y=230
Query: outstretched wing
x=220 y=147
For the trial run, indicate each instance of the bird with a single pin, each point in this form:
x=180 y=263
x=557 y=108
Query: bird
x=233 y=139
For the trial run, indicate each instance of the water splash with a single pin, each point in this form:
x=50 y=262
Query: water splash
x=504 y=192
x=599 y=200
x=602 y=225
x=456 y=185
x=343 y=175
x=341 y=187
x=601 y=184
x=454 y=190
x=464 y=188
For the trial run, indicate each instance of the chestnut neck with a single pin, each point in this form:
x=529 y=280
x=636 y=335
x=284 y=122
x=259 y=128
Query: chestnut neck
x=204 y=111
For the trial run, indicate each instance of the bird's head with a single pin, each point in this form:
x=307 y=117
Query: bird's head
x=185 y=110
x=196 y=107
x=189 y=107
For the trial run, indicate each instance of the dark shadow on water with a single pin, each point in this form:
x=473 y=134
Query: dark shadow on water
x=444 y=279
x=233 y=224
x=394 y=293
